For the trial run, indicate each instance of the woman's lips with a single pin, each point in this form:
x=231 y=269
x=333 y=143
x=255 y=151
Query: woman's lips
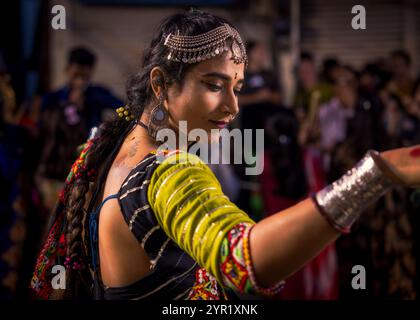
x=219 y=124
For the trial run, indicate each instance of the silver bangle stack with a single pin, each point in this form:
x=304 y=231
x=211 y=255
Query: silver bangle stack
x=342 y=202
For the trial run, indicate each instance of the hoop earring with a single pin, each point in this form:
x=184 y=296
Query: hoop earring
x=158 y=118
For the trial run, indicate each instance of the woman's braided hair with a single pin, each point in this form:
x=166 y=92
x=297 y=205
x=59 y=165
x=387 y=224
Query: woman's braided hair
x=111 y=134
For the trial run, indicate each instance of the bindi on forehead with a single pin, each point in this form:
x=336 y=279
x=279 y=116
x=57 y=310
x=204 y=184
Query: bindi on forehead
x=221 y=67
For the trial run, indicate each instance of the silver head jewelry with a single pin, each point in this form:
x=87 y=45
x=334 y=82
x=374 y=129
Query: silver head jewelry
x=193 y=49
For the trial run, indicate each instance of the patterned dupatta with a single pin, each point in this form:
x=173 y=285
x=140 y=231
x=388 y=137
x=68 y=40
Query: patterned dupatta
x=54 y=249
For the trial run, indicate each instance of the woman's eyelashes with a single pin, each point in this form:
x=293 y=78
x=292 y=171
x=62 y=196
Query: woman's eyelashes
x=217 y=88
x=214 y=87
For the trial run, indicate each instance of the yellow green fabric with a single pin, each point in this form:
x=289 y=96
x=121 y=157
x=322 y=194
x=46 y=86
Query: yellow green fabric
x=189 y=205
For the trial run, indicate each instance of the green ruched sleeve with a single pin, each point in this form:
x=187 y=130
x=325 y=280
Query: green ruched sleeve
x=191 y=208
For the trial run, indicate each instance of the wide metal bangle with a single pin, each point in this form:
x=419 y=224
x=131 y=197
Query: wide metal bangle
x=342 y=202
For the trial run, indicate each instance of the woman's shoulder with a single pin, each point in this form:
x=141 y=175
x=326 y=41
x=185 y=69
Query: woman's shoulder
x=139 y=173
x=173 y=161
x=134 y=195
x=161 y=161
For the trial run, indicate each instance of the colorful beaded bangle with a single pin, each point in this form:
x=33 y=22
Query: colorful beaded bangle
x=251 y=272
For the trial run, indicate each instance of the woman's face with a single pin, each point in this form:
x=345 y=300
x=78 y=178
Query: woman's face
x=208 y=98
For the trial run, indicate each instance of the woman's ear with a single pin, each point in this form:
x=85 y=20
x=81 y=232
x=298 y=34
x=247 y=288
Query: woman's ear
x=157 y=81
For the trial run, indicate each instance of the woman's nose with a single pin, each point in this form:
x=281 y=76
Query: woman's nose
x=231 y=103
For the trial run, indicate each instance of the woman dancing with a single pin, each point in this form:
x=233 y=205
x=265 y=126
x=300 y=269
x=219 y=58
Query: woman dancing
x=135 y=222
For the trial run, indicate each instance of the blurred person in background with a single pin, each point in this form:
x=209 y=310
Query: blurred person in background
x=402 y=127
x=261 y=92
x=383 y=240
x=371 y=82
x=294 y=169
x=13 y=208
x=62 y=131
x=348 y=114
x=291 y=173
x=330 y=70
x=93 y=102
x=260 y=99
x=355 y=126
x=414 y=105
x=65 y=120
x=334 y=115
x=311 y=92
x=401 y=83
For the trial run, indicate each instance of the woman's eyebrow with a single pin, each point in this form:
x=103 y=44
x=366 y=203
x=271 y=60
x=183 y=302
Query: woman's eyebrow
x=222 y=76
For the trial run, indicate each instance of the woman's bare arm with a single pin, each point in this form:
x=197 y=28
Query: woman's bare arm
x=285 y=241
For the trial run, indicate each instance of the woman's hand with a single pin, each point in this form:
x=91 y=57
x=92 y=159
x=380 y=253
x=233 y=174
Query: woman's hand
x=402 y=165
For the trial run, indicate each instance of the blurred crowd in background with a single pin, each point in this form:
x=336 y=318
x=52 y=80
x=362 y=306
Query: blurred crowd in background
x=337 y=113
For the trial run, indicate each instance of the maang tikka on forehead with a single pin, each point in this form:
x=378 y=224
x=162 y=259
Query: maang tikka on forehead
x=193 y=49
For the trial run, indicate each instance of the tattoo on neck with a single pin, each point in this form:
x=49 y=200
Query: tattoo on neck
x=133 y=149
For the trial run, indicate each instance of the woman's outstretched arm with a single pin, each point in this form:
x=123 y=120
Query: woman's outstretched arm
x=255 y=257
x=297 y=234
